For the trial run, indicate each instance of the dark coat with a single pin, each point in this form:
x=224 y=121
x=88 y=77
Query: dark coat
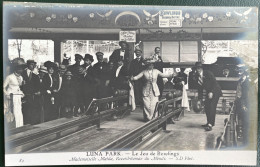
x=178 y=80
x=74 y=70
x=68 y=93
x=32 y=85
x=210 y=83
x=115 y=56
x=89 y=85
x=101 y=73
x=135 y=68
x=31 y=107
x=120 y=82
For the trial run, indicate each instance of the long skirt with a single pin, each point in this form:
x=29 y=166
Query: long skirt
x=149 y=106
x=14 y=107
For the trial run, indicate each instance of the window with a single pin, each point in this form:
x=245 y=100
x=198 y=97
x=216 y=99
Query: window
x=173 y=51
x=71 y=47
x=38 y=50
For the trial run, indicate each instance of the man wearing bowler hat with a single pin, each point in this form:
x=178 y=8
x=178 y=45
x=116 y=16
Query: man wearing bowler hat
x=123 y=52
x=88 y=81
x=207 y=81
x=101 y=74
x=31 y=89
x=74 y=68
x=136 y=67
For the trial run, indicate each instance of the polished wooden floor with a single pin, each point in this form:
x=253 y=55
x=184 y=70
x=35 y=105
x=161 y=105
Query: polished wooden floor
x=185 y=134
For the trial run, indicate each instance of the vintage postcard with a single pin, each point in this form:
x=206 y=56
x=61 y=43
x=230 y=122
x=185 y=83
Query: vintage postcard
x=126 y=84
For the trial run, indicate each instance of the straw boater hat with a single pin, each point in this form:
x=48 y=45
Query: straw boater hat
x=88 y=56
x=99 y=54
x=43 y=69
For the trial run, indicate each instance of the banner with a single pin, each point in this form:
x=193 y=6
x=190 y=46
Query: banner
x=170 y=18
x=128 y=36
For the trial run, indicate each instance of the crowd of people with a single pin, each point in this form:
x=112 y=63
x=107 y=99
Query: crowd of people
x=34 y=95
x=62 y=90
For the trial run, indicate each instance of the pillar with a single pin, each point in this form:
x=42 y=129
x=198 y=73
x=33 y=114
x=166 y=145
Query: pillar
x=57 y=50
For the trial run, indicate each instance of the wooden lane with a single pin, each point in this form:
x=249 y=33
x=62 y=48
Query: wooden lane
x=187 y=134
x=92 y=139
x=49 y=131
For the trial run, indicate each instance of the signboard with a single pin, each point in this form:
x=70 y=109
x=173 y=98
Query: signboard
x=128 y=36
x=170 y=18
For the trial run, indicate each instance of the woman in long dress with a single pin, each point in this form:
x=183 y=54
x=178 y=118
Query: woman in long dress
x=151 y=91
x=13 y=94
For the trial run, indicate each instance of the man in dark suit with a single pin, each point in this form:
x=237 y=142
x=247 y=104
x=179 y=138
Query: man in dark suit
x=89 y=82
x=74 y=68
x=242 y=103
x=123 y=52
x=137 y=66
x=119 y=76
x=31 y=89
x=180 y=80
x=101 y=74
x=207 y=81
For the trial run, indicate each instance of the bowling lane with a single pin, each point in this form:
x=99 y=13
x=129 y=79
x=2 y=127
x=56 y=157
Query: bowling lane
x=187 y=134
x=92 y=139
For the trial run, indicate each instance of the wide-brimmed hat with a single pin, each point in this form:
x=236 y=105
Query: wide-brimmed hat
x=88 y=56
x=68 y=73
x=149 y=61
x=121 y=42
x=78 y=56
x=99 y=54
x=50 y=64
x=30 y=61
x=43 y=69
x=198 y=65
x=18 y=63
x=62 y=68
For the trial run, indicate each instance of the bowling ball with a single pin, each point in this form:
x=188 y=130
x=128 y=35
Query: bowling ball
x=169 y=96
x=177 y=93
x=197 y=105
x=120 y=92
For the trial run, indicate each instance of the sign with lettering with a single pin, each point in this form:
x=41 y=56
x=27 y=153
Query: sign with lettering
x=170 y=18
x=128 y=36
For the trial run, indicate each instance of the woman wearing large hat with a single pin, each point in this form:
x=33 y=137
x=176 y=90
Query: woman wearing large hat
x=48 y=82
x=13 y=93
x=150 y=91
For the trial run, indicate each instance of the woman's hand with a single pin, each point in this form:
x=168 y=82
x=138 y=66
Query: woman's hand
x=48 y=91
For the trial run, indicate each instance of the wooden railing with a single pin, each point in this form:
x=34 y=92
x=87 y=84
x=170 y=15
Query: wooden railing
x=134 y=138
x=24 y=139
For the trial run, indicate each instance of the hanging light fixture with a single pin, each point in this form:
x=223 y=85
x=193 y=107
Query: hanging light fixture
x=53 y=16
x=75 y=19
x=205 y=15
x=228 y=14
x=187 y=15
x=48 y=19
x=69 y=16
x=210 y=18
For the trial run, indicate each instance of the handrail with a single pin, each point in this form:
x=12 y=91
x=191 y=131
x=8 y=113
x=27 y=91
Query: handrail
x=136 y=135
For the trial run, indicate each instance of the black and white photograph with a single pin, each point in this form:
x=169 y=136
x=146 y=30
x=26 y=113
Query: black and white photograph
x=129 y=84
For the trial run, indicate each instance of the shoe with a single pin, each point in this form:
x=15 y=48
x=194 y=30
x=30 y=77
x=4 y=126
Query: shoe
x=205 y=125
x=208 y=128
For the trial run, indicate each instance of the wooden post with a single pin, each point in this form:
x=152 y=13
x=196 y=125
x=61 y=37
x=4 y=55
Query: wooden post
x=57 y=50
x=232 y=129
